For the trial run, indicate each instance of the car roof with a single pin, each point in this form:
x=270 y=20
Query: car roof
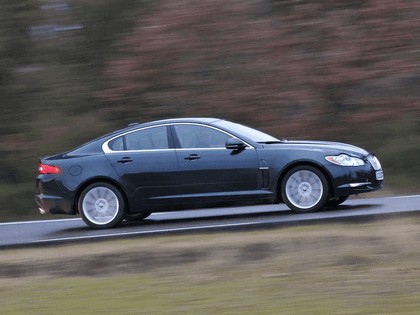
x=183 y=120
x=203 y=120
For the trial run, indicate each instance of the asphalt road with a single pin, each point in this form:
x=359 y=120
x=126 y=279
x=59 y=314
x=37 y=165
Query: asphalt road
x=70 y=230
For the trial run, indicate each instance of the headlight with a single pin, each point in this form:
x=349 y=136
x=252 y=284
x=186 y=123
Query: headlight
x=345 y=160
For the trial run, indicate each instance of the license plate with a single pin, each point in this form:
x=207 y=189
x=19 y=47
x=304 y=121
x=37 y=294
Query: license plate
x=379 y=175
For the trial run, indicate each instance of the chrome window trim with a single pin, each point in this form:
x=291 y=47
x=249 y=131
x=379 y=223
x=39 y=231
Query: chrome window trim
x=107 y=150
x=201 y=149
x=137 y=151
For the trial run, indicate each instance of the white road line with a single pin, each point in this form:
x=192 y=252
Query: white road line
x=39 y=221
x=401 y=197
x=296 y=218
x=147 y=232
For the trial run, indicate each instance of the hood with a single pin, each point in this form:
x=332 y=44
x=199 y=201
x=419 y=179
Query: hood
x=333 y=147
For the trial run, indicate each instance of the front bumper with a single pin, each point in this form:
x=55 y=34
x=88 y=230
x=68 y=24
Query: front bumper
x=358 y=188
x=361 y=180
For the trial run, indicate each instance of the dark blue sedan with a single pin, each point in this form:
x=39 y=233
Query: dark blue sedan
x=196 y=162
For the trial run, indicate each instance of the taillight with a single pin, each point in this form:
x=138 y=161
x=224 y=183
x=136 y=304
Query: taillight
x=48 y=169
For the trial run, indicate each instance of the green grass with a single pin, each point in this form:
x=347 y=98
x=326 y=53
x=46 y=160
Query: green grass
x=236 y=293
x=369 y=268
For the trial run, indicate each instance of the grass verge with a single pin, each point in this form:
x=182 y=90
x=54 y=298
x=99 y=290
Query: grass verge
x=366 y=268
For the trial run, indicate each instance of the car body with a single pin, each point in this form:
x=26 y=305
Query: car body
x=196 y=162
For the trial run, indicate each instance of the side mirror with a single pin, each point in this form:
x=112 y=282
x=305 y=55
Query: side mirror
x=235 y=144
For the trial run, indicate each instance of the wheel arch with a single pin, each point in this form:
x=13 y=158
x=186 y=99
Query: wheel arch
x=303 y=163
x=100 y=180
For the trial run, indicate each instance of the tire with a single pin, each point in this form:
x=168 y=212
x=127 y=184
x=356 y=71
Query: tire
x=336 y=201
x=101 y=206
x=304 y=189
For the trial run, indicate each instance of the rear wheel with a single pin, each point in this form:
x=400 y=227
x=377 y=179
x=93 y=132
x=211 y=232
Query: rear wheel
x=101 y=206
x=304 y=189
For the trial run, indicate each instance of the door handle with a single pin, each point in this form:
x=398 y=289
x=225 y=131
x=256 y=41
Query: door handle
x=125 y=160
x=192 y=157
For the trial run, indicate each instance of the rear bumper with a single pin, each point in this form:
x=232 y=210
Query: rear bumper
x=53 y=204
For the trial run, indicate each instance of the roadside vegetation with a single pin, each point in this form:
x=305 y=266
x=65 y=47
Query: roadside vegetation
x=73 y=70
x=364 y=268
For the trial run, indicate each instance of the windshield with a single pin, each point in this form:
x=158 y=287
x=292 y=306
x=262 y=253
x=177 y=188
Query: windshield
x=250 y=133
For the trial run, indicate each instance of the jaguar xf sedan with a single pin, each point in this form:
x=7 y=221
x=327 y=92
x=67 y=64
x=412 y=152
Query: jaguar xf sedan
x=197 y=162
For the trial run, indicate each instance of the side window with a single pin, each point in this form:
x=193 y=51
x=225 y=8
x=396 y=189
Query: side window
x=194 y=136
x=147 y=139
x=117 y=144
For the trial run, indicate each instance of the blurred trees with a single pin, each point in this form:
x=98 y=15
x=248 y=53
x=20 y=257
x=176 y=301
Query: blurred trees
x=52 y=55
x=303 y=64
x=341 y=70
x=15 y=45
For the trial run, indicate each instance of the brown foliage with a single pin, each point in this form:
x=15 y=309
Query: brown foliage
x=288 y=66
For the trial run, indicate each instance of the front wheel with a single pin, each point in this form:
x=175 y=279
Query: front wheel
x=304 y=189
x=101 y=206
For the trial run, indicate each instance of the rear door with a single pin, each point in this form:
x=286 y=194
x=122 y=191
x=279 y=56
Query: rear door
x=147 y=165
x=210 y=172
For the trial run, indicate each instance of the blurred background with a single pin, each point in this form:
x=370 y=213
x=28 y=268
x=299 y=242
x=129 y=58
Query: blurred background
x=71 y=70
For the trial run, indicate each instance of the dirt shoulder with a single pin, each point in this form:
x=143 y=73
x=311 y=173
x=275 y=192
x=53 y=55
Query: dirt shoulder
x=386 y=243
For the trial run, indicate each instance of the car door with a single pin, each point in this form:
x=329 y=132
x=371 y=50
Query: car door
x=211 y=172
x=147 y=165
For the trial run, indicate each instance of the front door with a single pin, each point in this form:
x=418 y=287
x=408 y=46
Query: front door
x=211 y=172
